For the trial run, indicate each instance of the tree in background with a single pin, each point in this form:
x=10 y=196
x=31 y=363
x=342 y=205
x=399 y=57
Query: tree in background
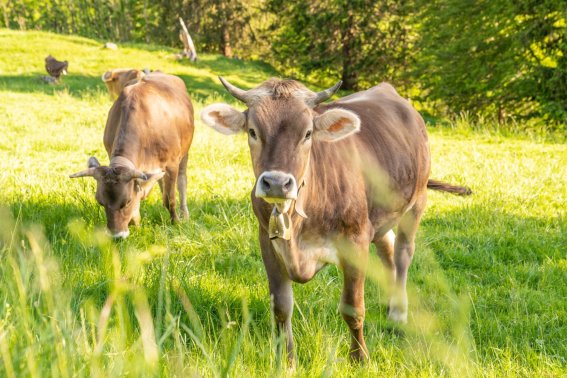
x=218 y=25
x=494 y=57
x=502 y=58
x=362 y=41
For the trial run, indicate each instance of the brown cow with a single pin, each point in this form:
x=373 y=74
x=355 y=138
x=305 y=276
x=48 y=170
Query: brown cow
x=117 y=79
x=147 y=137
x=331 y=179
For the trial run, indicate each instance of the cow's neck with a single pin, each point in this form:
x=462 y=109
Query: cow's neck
x=302 y=254
x=127 y=145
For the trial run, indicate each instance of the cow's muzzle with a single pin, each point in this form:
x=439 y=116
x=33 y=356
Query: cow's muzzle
x=121 y=234
x=276 y=187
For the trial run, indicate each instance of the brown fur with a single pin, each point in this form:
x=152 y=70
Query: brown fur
x=336 y=169
x=54 y=67
x=116 y=80
x=151 y=126
x=283 y=89
x=353 y=191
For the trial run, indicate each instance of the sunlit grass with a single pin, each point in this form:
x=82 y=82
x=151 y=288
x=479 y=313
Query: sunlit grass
x=487 y=287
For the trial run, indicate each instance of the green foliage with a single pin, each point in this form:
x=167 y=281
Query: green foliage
x=500 y=59
x=363 y=42
x=214 y=25
x=503 y=58
x=487 y=293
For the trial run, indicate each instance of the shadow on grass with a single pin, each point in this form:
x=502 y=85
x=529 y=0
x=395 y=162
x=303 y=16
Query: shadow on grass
x=253 y=72
x=201 y=89
x=78 y=86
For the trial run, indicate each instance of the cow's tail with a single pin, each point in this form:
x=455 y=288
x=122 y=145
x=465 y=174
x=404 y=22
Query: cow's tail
x=445 y=187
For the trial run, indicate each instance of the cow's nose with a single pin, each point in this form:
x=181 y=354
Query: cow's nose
x=276 y=185
x=121 y=234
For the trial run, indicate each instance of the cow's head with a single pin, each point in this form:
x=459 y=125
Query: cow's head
x=119 y=78
x=119 y=190
x=282 y=127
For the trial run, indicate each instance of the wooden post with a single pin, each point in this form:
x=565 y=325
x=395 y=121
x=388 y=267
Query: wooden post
x=188 y=46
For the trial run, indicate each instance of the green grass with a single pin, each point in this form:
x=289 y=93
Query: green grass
x=487 y=287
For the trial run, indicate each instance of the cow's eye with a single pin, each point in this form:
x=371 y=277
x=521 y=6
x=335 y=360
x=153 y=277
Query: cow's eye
x=252 y=133
x=308 y=134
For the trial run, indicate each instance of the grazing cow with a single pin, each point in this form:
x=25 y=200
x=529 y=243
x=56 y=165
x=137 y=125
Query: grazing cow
x=116 y=80
x=147 y=137
x=55 y=68
x=330 y=180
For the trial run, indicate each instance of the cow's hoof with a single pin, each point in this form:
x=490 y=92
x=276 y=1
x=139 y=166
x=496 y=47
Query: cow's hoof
x=397 y=315
x=291 y=364
x=358 y=356
x=398 y=310
x=184 y=213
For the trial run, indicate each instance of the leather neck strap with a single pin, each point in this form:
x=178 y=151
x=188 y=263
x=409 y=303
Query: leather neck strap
x=280 y=223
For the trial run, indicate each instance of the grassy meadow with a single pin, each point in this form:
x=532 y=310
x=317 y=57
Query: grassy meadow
x=488 y=286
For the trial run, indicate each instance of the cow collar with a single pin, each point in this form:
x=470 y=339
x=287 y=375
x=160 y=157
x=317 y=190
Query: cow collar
x=280 y=220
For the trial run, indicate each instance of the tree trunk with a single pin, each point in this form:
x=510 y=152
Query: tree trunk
x=226 y=17
x=226 y=49
x=6 y=15
x=146 y=23
x=349 y=74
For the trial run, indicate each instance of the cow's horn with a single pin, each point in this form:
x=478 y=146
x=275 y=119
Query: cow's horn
x=324 y=95
x=135 y=174
x=86 y=172
x=239 y=94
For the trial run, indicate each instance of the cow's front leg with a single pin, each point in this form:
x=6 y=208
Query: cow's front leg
x=170 y=180
x=281 y=295
x=353 y=263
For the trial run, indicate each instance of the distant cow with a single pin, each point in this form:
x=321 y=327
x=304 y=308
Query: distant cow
x=147 y=136
x=55 y=68
x=116 y=80
x=330 y=180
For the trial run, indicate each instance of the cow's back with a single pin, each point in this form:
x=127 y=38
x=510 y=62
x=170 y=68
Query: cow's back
x=392 y=141
x=155 y=116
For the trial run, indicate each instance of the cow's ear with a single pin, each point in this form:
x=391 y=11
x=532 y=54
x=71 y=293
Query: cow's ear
x=147 y=184
x=93 y=162
x=108 y=76
x=335 y=124
x=224 y=118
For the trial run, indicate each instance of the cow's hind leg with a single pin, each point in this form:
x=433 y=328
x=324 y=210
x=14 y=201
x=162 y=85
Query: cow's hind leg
x=170 y=179
x=404 y=248
x=182 y=187
x=385 y=248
